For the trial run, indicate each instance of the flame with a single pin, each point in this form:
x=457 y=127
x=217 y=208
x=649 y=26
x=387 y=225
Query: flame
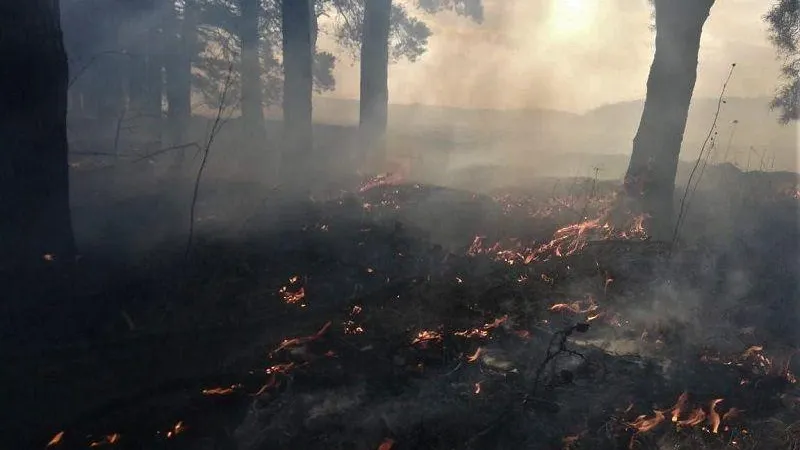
x=351 y=327
x=566 y=241
x=271 y=382
x=679 y=406
x=110 y=439
x=387 y=444
x=298 y=341
x=477 y=388
x=426 y=336
x=222 y=390
x=696 y=417
x=281 y=368
x=577 y=307
x=356 y=310
x=474 y=357
x=176 y=430
x=56 y=439
x=483 y=331
x=713 y=415
x=642 y=424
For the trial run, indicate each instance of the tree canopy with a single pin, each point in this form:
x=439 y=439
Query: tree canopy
x=784 y=23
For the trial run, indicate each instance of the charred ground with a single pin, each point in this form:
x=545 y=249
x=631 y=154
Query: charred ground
x=376 y=319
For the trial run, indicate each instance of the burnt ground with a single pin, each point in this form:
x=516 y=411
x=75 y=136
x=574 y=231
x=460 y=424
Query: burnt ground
x=408 y=336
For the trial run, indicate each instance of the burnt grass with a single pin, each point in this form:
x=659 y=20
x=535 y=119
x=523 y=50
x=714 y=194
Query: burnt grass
x=407 y=342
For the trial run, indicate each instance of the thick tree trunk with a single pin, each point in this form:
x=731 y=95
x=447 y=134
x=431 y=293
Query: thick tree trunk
x=34 y=180
x=297 y=86
x=252 y=96
x=374 y=103
x=650 y=179
x=179 y=73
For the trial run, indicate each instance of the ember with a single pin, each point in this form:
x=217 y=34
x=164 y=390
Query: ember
x=110 y=439
x=425 y=336
x=222 y=390
x=176 y=430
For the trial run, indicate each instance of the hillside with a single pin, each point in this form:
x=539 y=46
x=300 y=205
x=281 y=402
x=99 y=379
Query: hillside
x=489 y=135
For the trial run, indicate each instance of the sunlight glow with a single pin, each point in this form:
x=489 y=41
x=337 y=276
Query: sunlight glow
x=572 y=18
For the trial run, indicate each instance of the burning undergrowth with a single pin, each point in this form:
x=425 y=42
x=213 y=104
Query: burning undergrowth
x=567 y=337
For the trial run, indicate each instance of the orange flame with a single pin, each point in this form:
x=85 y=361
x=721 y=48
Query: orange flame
x=56 y=439
x=110 y=439
x=222 y=390
x=679 y=406
x=474 y=357
x=295 y=342
x=714 y=418
x=696 y=417
x=176 y=430
x=642 y=424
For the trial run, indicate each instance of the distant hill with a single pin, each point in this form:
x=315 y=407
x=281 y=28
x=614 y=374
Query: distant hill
x=539 y=134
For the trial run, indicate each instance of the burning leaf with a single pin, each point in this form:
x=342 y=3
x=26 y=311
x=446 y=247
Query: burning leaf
x=56 y=439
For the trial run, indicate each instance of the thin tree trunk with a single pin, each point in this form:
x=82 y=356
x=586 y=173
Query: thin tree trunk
x=650 y=179
x=297 y=86
x=34 y=180
x=154 y=80
x=179 y=74
x=252 y=96
x=374 y=103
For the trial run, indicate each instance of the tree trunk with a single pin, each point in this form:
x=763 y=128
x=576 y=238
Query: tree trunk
x=179 y=73
x=252 y=96
x=650 y=179
x=34 y=180
x=374 y=103
x=154 y=78
x=297 y=85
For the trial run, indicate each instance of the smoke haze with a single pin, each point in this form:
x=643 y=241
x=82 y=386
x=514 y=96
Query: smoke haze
x=570 y=55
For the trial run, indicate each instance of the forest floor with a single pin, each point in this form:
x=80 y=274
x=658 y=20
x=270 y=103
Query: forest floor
x=412 y=316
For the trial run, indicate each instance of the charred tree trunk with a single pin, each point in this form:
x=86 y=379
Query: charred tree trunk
x=297 y=85
x=650 y=179
x=252 y=96
x=374 y=103
x=183 y=37
x=34 y=180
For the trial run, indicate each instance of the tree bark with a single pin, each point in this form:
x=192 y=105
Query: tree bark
x=252 y=95
x=183 y=37
x=650 y=179
x=298 y=56
x=374 y=103
x=34 y=180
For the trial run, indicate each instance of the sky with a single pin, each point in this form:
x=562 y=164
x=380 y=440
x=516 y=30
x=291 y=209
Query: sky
x=570 y=55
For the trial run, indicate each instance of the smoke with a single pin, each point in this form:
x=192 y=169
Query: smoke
x=569 y=55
